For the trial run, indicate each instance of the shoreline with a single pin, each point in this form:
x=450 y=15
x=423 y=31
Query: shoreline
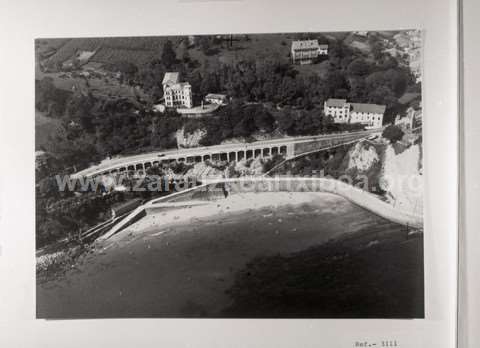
x=235 y=204
x=355 y=195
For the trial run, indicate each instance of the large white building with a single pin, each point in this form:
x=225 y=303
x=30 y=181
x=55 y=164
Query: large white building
x=306 y=51
x=370 y=115
x=176 y=94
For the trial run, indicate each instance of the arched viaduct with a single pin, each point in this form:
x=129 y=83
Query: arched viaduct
x=287 y=147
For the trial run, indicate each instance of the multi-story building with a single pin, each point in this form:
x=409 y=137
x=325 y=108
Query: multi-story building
x=339 y=109
x=176 y=94
x=370 y=115
x=306 y=51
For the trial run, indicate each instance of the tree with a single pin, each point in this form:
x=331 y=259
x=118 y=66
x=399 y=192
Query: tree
x=204 y=43
x=358 y=67
x=327 y=123
x=79 y=109
x=286 y=121
x=49 y=98
x=169 y=57
x=73 y=152
x=336 y=82
x=377 y=50
x=264 y=121
x=209 y=83
x=308 y=123
x=186 y=56
x=244 y=128
x=393 y=133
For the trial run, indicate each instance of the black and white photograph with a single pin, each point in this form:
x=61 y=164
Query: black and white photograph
x=269 y=175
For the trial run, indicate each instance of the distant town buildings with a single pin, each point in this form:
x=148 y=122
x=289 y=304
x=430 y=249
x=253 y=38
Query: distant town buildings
x=412 y=120
x=410 y=43
x=219 y=99
x=176 y=94
x=370 y=115
x=306 y=51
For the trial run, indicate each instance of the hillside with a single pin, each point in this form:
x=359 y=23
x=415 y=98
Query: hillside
x=138 y=50
x=141 y=50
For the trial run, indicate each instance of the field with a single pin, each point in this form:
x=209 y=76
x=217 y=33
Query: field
x=229 y=49
x=139 y=50
x=224 y=49
x=99 y=86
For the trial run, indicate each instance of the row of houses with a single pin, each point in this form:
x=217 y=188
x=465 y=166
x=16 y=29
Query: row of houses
x=342 y=111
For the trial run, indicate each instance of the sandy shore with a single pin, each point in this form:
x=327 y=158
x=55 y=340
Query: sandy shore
x=224 y=208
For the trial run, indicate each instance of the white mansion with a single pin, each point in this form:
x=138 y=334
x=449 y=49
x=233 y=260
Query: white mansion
x=176 y=94
x=306 y=51
x=370 y=115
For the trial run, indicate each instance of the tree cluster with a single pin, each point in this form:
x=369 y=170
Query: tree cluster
x=50 y=99
x=393 y=133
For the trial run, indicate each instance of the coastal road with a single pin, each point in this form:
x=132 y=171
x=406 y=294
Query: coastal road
x=287 y=146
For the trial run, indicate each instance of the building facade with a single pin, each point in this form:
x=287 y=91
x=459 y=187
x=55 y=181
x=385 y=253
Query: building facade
x=306 y=51
x=175 y=93
x=220 y=99
x=411 y=120
x=370 y=115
